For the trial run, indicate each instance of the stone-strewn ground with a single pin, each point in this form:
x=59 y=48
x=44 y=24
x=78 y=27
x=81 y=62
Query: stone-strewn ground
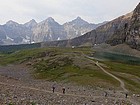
x=19 y=88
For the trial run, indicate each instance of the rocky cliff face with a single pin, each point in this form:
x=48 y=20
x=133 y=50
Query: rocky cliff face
x=129 y=32
x=133 y=30
x=48 y=30
x=119 y=34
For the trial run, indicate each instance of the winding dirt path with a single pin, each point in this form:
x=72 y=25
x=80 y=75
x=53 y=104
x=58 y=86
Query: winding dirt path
x=122 y=85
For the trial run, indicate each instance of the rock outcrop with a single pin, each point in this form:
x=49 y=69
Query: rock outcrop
x=119 y=34
x=133 y=31
x=129 y=32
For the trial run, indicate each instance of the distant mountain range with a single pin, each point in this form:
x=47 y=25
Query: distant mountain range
x=47 y=30
x=122 y=30
x=100 y=35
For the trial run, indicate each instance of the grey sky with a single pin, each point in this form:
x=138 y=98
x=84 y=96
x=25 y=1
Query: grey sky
x=94 y=11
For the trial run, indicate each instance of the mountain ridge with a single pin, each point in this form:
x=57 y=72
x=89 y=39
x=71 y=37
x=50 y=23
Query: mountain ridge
x=97 y=36
x=46 y=30
x=124 y=29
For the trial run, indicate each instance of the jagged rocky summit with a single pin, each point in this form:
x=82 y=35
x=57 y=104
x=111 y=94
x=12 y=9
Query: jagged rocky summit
x=47 y=30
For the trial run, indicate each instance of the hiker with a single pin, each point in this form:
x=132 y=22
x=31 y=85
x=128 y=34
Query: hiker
x=63 y=90
x=105 y=94
x=53 y=88
x=126 y=95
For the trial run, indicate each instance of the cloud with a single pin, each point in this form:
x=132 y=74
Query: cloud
x=64 y=10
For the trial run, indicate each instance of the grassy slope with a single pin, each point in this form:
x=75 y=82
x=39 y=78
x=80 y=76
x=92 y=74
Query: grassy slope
x=129 y=73
x=69 y=65
x=62 y=64
x=125 y=67
x=19 y=56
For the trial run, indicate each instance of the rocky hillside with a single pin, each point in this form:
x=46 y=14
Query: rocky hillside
x=133 y=31
x=118 y=35
x=47 y=30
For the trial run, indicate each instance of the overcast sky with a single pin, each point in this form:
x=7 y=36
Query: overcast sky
x=94 y=11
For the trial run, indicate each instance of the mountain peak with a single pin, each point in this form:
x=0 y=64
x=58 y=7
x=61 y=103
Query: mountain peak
x=31 y=23
x=50 y=19
x=78 y=18
x=33 y=20
x=79 y=21
x=10 y=22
